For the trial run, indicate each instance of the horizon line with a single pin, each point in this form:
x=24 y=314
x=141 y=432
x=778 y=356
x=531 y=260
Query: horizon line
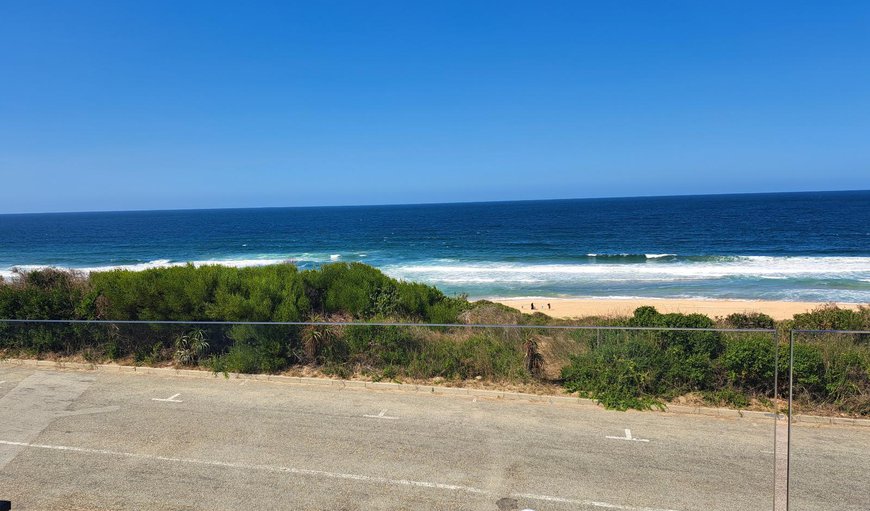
x=400 y=204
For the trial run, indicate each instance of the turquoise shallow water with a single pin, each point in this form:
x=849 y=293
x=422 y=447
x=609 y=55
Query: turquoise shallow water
x=800 y=246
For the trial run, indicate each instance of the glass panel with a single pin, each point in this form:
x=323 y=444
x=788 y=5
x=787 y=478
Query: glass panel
x=830 y=431
x=383 y=416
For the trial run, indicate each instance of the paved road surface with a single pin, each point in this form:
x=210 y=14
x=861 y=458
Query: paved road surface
x=83 y=440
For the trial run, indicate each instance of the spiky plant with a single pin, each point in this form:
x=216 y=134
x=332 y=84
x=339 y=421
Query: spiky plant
x=315 y=338
x=190 y=347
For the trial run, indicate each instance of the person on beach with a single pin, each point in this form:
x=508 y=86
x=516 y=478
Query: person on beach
x=548 y=307
x=533 y=305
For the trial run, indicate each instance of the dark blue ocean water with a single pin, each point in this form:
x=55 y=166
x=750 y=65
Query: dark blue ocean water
x=796 y=246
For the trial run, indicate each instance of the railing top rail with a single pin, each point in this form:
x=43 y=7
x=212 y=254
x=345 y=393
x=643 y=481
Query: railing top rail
x=810 y=331
x=385 y=324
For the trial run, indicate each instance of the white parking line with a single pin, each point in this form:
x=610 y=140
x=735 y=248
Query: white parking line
x=380 y=415
x=332 y=475
x=628 y=437
x=170 y=399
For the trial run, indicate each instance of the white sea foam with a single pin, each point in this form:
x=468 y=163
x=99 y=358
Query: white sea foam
x=759 y=267
x=334 y=257
x=157 y=263
x=658 y=277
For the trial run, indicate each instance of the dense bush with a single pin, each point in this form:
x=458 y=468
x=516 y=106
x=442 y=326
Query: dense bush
x=45 y=294
x=619 y=375
x=482 y=354
x=831 y=317
x=688 y=342
x=750 y=362
x=277 y=293
x=378 y=346
x=830 y=370
x=645 y=366
x=749 y=320
x=187 y=293
x=620 y=368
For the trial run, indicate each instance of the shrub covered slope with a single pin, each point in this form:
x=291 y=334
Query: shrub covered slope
x=620 y=368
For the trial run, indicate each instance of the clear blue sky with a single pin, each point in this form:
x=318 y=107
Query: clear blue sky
x=183 y=104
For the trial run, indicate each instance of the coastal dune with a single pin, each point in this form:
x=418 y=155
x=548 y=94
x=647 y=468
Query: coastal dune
x=581 y=307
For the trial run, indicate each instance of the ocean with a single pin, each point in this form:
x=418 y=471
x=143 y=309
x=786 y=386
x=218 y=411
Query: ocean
x=787 y=246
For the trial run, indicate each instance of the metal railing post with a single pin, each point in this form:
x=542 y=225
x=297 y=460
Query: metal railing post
x=775 y=419
x=790 y=411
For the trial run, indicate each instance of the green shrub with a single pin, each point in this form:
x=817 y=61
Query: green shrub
x=44 y=294
x=726 y=397
x=481 y=355
x=847 y=377
x=809 y=368
x=750 y=362
x=690 y=342
x=750 y=320
x=240 y=359
x=269 y=347
x=613 y=378
x=379 y=346
x=831 y=317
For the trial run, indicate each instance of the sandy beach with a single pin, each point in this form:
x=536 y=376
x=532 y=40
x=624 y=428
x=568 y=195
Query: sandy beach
x=580 y=307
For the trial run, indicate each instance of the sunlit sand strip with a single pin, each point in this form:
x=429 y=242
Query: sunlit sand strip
x=580 y=307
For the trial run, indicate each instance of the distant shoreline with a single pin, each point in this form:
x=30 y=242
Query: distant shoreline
x=584 y=307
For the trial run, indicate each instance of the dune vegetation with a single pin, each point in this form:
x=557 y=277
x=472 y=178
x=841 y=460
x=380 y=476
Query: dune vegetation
x=619 y=367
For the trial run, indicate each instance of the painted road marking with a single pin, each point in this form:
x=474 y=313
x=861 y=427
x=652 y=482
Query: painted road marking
x=380 y=415
x=331 y=475
x=170 y=399
x=628 y=437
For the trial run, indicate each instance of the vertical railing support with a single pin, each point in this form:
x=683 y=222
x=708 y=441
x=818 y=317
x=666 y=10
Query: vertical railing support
x=780 y=434
x=790 y=409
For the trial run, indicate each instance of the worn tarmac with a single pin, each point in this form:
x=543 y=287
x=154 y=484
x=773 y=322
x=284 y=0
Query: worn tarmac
x=90 y=440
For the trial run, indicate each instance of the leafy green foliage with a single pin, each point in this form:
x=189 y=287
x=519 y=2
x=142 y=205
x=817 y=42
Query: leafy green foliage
x=726 y=397
x=809 y=368
x=619 y=376
x=633 y=371
x=831 y=317
x=44 y=294
x=647 y=366
x=750 y=362
x=749 y=320
x=482 y=354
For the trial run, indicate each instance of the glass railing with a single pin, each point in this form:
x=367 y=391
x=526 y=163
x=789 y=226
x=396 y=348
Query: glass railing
x=830 y=428
x=231 y=415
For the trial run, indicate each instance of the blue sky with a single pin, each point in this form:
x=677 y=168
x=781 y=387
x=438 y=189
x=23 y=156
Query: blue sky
x=151 y=105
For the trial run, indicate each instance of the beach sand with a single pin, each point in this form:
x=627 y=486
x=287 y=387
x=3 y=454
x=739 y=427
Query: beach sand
x=581 y=307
